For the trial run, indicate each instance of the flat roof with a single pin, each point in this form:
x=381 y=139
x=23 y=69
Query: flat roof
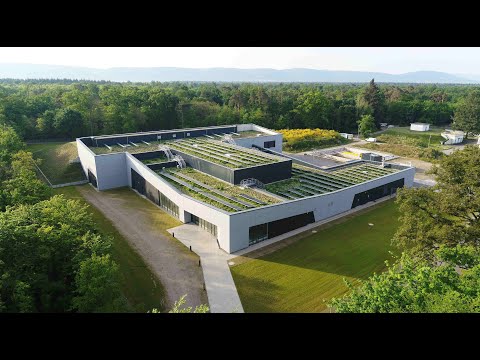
x=106 y=136
x=417 y=123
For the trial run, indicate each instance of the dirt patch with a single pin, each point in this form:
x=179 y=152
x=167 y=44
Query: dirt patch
x=143 y=225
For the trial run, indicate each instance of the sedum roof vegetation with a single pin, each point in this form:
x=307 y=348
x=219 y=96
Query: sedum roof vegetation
x=215 y=192
x=214 y=151
x=222 y=153
x=308 y=182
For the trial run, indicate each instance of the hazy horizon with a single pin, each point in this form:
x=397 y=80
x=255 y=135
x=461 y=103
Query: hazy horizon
x=394 y=61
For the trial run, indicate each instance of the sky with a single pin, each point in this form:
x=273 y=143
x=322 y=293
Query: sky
x=390 y=60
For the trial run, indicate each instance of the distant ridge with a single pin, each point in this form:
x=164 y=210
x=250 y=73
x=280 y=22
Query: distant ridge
x=134 y=74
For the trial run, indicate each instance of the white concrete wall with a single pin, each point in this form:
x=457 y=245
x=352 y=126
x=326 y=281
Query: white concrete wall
x=185 y=203
x=270 y=135
x=111 y=171
x=260 y=141
x=87 y=158
x=323 y=206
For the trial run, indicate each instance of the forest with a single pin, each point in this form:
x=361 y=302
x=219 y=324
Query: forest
x=66 y=109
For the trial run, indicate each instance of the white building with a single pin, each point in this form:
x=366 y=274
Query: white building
x=347 y=136
x=419 y=126
x=194 y=174
x=452 y=137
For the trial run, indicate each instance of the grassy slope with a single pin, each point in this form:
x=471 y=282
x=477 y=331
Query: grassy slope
x=140 y=286
x=300 y=276
x=55 y=161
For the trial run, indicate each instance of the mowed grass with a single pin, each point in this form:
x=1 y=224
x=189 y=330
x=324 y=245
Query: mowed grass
x=421 y=136
x=55 y=158
x=302 y=276
x=139 y=285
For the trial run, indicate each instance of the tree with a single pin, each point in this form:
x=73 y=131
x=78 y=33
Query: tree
x=69 y=123
x=375 y=100
x=43 y=249
x=420 y=286
x=366 y=125
x=97 y=285
x=446 y=213
x=177 y=307
x=467 y=114
x=10 y=143
x=23 y=187
x=315 y=110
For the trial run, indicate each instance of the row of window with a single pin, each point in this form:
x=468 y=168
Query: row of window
x=269 y=144
x=278 y=227
x=168 y=205
x=153 y=194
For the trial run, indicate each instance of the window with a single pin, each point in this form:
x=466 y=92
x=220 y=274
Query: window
x=269 y=144
x=278 y=227
x=174 y=136
x=211 y=228
x=257 y=233
x=188 y=134
x=159 y=137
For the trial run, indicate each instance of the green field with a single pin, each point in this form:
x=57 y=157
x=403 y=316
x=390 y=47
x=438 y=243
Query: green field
x=300 y=276
x=422 y=137
x=55 y=161
x=139 y=285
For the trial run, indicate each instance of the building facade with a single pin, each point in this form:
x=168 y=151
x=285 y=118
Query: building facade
x=217 y=178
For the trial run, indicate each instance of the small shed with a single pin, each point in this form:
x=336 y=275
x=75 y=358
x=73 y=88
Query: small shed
x=452 y=137
x=419 y=126
x=347 y=136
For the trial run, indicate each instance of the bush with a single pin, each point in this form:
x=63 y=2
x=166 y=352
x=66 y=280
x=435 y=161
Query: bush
x=306 y=139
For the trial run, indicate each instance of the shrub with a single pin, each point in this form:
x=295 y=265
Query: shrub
x=304 y=139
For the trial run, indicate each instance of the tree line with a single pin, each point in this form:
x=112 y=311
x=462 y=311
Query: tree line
x=69 y=109
x=52 y=258
x=439 y=236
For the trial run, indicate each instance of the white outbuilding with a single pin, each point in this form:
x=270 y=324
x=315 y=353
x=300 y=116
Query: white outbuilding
x=452 y=137
x=419 y=126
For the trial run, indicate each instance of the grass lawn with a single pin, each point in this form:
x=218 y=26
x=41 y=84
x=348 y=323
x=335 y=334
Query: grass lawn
x=300 y=276
x=139 y=285
x=421 y=136
x=55 y=161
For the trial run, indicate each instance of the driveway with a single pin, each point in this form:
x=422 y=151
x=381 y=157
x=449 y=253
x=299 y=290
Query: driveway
x=174 y=265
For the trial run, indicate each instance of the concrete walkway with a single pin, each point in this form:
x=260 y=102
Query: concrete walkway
x=221 y=290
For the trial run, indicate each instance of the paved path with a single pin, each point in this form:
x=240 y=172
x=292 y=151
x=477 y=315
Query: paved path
x=134 y=217
x=221 y=290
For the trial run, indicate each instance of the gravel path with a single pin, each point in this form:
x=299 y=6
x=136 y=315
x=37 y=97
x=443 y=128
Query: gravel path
x=175 y=266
